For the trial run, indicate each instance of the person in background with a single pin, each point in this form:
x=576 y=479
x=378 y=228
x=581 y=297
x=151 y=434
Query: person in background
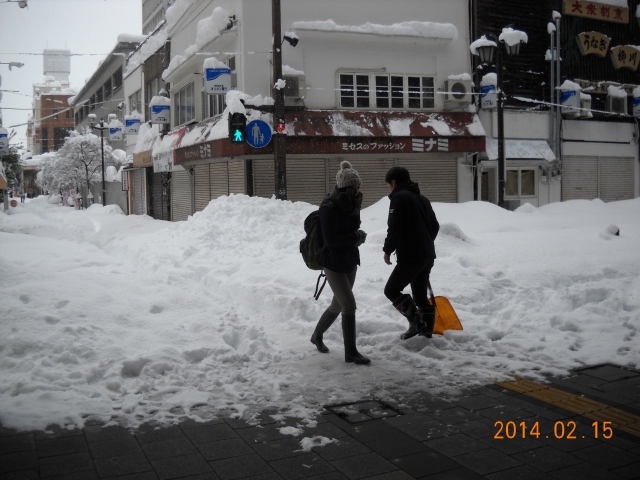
x=340 y=225
x=412 y=230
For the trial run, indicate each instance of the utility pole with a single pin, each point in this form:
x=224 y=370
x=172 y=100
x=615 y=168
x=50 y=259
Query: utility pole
x=280 y=138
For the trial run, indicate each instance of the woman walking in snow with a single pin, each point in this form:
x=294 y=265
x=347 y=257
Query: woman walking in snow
x=413 y=228
x=340 y=225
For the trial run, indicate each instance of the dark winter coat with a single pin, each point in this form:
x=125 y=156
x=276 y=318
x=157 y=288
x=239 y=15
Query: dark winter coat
x=413 y=226
x=340 y=221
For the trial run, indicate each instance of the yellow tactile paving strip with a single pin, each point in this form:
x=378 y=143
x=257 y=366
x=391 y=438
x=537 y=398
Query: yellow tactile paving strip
x=597 y=411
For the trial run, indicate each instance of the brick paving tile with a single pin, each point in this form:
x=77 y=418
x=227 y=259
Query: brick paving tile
x=385 y=439
x=628 y=471
x=325 y=429
x=461 y=473
x=18 y=461
x=457 y=444
x=344 y=447
x=136 y=476
x=174 y=447
x=584 y=471
x=301 y=467
x=428 y=429
x=64 y=464
x=511 y=446
x=607 y=456
x=86 y=475
x=240 y=467
x=487 y=461
x=426 y=463
x=61 y=446
x=279 y=449
x=210 y=433
x=454 y=416
x=21 y=475
x=547 y=459
x=265 y=476
x=99 y=433
x=17 y=443
x=504 y=413
x=363 y=466
x=477 y=428
x=259 y=434
x=397 y=475
x=115 y=448
x=124 y=465
x=178 y=467
x=232 y=447
x=190 y=423
x=478 y=402
x=524 y=472
x=150 y=433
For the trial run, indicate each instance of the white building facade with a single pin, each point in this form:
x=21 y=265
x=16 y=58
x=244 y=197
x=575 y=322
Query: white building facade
x=379 y=84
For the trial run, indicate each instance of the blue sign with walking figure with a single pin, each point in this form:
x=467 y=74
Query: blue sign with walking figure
x=258 y=133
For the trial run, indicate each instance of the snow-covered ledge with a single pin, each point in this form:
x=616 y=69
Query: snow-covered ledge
x=438 y=33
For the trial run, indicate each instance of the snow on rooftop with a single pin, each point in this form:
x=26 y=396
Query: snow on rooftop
x=148 y=48
x=521 y=149
x=131 y=38
x=614 y=91
x=444 y=31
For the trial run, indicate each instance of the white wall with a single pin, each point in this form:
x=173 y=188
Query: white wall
x=132 y=83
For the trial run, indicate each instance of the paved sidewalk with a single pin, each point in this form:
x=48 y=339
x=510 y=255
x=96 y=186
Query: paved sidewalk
x=428 y=438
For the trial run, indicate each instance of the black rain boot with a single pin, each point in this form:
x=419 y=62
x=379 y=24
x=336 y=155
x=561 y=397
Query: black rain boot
x=428 y=318
x=404 y=304
x=326 y=320
x=351 y=354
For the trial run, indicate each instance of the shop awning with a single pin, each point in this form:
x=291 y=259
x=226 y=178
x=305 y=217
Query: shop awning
x=343 y=133
x=521 y=150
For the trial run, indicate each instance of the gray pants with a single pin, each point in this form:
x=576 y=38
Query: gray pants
x=342 y=286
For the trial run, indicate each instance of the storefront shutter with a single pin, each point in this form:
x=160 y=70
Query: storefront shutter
x=579 y=178
x=236 y=176
x=306 y=180
x=159 y=199
x=139 y=191
x=616 y=179
x=218 y=180
x=437 y=178
x=181 y=204
x=201 y=189
x=263 y=180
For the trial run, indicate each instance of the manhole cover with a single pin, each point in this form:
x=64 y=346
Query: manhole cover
x=364 y=411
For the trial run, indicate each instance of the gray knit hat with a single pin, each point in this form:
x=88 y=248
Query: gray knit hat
x=347 y=176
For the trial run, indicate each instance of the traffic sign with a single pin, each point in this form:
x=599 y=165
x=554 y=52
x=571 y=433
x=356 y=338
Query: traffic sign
x=258 y=133
x=14 y=203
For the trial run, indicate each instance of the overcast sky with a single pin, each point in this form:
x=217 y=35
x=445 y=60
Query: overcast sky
x=88 y=28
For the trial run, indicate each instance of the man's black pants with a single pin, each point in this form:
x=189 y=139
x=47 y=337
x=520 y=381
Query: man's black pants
x=415 y=274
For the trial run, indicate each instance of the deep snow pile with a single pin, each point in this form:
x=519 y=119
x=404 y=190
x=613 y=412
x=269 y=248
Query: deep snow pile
x=132 y=319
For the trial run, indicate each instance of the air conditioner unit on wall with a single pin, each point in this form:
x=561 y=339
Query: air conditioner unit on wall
x=458 y=91
x=616 y=105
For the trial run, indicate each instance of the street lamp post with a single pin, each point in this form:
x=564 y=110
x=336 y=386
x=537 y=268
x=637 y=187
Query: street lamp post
x=486 y=48
x=102 y=127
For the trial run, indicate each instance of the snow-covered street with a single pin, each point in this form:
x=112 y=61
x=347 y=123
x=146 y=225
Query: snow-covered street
x=128 y=318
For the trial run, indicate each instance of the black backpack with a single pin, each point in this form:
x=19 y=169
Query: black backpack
x=311 y=246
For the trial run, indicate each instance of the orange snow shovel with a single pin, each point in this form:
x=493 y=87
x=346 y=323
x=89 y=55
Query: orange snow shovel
x=446 y=317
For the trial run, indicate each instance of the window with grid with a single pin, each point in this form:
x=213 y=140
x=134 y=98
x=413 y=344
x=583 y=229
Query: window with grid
x=153 y=88
x=183 y=105
x=135 y=102
x=387 y=92
x=354 y=91
x=212 y=105
x=99 y=97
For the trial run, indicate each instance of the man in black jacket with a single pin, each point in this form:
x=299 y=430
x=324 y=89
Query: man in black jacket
x=413 y=228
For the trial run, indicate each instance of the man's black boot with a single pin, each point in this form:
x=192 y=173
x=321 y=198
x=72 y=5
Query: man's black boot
x=405 y=305
x=427 y=317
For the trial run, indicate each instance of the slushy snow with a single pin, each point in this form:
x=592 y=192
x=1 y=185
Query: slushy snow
x=127 y=319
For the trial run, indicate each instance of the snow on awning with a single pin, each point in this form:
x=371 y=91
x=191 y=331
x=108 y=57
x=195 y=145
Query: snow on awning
x=342 y=133
x=521 y=150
